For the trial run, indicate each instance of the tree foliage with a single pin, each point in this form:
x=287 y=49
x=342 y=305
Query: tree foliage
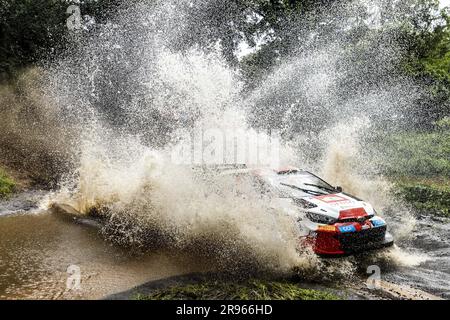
x=31 y=31
x=427 y=58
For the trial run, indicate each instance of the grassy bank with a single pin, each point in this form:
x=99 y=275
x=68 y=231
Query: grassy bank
x=419 y=165
x=427 y=195
x=7 y=184
x=417 y=154
x=250 y=290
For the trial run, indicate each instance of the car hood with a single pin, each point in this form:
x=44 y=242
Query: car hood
x=339 y=206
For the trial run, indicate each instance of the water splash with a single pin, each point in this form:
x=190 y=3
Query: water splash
x=122 y=98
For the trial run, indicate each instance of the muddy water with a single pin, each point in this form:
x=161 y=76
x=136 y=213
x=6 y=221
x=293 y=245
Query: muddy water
x=36 y=250
x=431 y=241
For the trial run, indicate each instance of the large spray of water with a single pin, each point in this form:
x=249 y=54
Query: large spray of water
x=109 y=112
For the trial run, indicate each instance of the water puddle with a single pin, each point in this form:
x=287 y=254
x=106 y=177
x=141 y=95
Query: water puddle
x=36 y=251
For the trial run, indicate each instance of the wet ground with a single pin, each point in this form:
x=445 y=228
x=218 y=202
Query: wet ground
x=37 y=248
x=40 y=253
x=431 y=239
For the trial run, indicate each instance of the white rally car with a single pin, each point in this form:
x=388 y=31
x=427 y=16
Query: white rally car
x=332 y=222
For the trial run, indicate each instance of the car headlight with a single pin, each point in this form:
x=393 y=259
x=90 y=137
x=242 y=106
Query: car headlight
x=320 y=218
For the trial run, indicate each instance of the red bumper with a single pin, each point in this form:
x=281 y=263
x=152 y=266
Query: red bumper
x=326 y=243
x=335 y=243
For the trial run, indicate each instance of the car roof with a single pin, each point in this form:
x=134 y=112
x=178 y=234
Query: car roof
x=260 y=171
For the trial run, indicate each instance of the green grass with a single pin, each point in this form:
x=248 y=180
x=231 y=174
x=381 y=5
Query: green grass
x=426 y=195
x=7 y=185
x=417 y=154
x=419 y=165
x=250 y=290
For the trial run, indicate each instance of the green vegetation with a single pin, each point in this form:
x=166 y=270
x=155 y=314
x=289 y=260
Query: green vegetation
x=251 y=290
x=427 y=39
x=34 y=30
x=427 y=195
x=417 y=154
x=7 y=185
x=418 y=157
x=419 y=164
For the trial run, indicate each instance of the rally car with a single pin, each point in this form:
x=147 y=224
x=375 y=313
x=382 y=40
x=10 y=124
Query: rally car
x=334 y=223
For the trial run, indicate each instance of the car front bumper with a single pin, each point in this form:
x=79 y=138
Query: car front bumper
x=339 y=244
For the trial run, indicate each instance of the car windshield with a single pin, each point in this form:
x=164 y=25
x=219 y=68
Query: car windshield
x=305 y=182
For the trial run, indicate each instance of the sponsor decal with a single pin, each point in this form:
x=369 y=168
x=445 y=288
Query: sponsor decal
x=327 y=228
x=349 y=228
x=378 y=222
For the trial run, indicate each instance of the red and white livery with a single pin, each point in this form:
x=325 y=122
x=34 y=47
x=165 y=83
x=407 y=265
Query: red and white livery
x=332 y=222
